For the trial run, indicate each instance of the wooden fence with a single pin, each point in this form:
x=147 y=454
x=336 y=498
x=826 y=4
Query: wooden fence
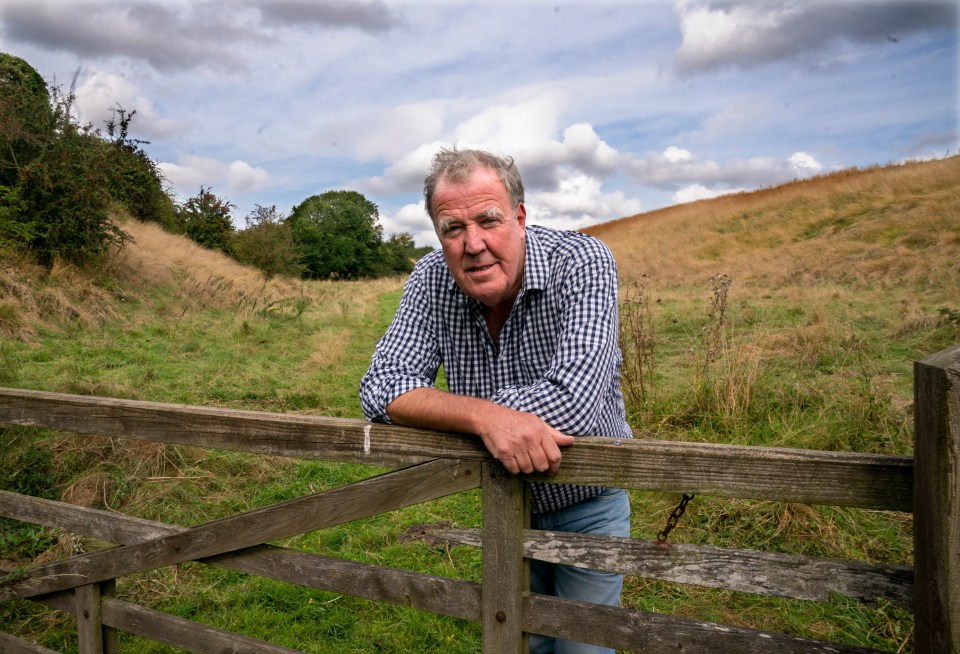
x=430 y=465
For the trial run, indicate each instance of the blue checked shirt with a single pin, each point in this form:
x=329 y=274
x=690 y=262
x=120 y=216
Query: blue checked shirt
x=557 y=355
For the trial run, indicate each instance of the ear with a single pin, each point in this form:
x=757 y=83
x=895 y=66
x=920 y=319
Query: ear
x=521 y=216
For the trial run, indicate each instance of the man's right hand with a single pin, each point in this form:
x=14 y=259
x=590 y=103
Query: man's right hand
x=521 y=441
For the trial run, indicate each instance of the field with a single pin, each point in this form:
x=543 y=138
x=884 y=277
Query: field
x=786 y=317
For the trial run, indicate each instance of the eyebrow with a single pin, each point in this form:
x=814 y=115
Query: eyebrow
x=443 y=224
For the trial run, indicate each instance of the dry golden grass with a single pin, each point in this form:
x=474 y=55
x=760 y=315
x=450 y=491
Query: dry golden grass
x=156 y=257
x=33 y=298
x=876 y=227
x=152 y=264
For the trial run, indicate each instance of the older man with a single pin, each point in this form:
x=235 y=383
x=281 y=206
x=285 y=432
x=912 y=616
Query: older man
x=523 y=320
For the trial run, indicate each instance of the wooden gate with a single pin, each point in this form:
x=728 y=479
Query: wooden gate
x=430 y=465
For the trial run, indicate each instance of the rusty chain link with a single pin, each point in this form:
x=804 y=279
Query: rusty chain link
x=675 y=517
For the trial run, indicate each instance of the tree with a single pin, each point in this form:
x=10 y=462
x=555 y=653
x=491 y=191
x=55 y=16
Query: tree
x=397 y=253
x=53 y=172
x=136 y=180
x=205 y=218
x=267 y=243
x=338 y=234
x=26 y=117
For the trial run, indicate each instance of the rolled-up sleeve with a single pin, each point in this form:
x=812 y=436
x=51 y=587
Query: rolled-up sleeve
x=407 y=357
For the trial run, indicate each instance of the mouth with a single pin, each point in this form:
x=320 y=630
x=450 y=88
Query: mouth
x=479 y=270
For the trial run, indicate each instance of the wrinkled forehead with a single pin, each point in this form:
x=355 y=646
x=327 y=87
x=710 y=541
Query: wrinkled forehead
x=480 y=193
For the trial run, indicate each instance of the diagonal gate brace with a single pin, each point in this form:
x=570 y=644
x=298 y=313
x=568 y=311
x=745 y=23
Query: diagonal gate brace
x=387 y=492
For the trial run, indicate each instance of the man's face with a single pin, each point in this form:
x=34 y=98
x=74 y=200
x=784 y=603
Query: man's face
x=483 y=239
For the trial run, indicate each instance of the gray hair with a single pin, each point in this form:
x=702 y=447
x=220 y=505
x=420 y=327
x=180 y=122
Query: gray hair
x=459 y=165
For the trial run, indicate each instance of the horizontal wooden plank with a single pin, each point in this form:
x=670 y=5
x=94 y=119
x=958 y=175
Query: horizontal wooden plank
x=440 y=595
x=789 y=475
x=747 y=571
x=779 y=474
x=10 y=644
x=368 y=497
x=180 y=632
x=653 y=633
x=283 y=434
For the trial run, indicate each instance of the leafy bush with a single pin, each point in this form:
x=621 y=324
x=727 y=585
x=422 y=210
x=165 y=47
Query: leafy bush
x=338 y=234
x=64 y=193
x=135 y=180
x=58 y=179
x=205 y=218
x=267 y=244
x=29 y=471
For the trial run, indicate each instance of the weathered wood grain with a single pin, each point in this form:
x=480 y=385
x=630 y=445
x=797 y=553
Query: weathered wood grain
x=179 y=632
x=89 y=619
x=368 y=497
x=10 y=644
x=746 y=571
x=505 y=572
x=789 y=475
x=651 y=633
x=936 y=519
x=440 y=595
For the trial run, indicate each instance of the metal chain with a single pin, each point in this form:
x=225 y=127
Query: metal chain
x=675 y=517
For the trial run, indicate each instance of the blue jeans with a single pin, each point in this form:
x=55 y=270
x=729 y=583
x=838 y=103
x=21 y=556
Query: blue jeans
x=608 y=514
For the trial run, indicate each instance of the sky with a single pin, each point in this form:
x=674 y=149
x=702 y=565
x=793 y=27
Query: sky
x=610 y=108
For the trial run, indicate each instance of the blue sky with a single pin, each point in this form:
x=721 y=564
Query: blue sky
x=610 y=108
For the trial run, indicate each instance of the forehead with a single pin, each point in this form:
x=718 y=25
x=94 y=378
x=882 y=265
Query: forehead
x=480 y=192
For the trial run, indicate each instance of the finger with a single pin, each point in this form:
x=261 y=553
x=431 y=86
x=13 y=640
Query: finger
x=552 y=455
x=525 y=463
x=510 y=464
x=541 y=458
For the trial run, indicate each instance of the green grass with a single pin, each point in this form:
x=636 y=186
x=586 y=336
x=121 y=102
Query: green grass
x=829 y=374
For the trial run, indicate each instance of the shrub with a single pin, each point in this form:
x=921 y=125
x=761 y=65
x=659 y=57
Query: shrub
x=205 y=218
x=267 y=244
x=135 y=180
x=339 y=235
x=64 y=193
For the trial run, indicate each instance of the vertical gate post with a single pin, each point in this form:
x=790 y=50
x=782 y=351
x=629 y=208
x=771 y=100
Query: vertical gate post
x=89 y=619
x=936 y=503
x=111 y=637
x=505 y=572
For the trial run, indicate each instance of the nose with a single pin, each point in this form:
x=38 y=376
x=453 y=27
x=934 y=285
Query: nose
x=473 y=242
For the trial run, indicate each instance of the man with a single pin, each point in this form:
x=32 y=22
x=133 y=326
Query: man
x=523 y=320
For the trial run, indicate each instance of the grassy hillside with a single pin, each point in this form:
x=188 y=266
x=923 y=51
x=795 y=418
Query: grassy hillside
x=792 y=314
x=789 y=317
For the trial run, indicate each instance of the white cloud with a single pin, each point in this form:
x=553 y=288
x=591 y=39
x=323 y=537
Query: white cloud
x=751 y=33
x=412 y=219
x=526 y=131
x=676 y=155
x=805 y=164
x=519 y=129
x=577 y=202
x=102 y=92
x=736 y=118
x=230 y=179
x=677 y=167
x=696 y=192
x=386 y=134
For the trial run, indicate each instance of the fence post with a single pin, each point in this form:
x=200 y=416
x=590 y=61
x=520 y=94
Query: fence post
x=936 y=503
x=505 y=572
x=89 y=619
